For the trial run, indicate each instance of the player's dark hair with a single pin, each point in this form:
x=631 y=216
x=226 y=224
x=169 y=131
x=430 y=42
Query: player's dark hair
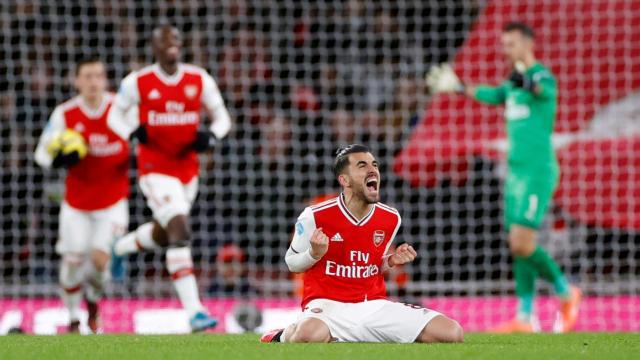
x=342 y=156
x=86 y=61
x=521 y=27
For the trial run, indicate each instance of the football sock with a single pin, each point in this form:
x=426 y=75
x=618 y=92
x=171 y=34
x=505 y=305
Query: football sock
x=95 y=282
x=525 y=278
x=71 y=278
x=135 y=241
x=180 y=267
x=549 y=270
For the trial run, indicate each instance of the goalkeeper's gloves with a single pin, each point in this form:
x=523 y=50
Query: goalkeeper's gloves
x=204 y=141
x=66 y=160
x=140 y=134
x=520 y=80
x=442 y=79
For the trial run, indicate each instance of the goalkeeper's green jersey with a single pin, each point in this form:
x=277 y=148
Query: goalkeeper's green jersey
x=530 y=118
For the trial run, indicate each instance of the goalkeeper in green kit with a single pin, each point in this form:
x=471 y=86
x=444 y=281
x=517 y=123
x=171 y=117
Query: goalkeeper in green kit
x=530 y=99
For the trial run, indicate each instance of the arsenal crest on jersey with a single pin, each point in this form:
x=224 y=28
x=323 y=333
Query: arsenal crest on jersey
x=378 y=237
x=190 y=91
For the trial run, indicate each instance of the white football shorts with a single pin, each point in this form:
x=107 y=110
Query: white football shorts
x=370 y=321
x=167 y=196
x=81 y=231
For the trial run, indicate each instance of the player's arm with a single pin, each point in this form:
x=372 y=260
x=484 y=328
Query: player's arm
x=122 y=118
x=545 y=85
x=494 y=95
x=403 y=254
x=47 y=150
x=212 y=100
x=220 y=119
x=541 y=84
x=442 y=79
x=308 y=246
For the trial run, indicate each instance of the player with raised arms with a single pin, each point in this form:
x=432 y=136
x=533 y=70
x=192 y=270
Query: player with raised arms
x=94 y=211
x=530 y=99
x=341 y=247
x=169 y=96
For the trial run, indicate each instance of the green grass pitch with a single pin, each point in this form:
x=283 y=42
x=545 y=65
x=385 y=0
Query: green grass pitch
x=206 y=346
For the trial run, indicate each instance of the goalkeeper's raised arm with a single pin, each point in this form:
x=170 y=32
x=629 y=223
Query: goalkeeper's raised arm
x=518 y=48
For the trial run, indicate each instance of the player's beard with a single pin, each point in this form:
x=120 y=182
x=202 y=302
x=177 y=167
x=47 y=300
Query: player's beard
x=360 y=194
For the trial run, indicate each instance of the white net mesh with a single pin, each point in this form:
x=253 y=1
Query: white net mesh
x=301 y=78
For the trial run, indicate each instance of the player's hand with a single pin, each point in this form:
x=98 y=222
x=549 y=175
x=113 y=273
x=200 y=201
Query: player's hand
x=521 y=80
x=404 y=254
x=204 y=141
x=66 y=160
x=140 y=134
x=319 y=244
x=442 y=79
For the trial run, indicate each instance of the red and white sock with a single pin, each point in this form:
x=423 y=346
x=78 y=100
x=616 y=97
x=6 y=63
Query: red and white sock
x=136 y=241
x=180 y=267
x=71 y=279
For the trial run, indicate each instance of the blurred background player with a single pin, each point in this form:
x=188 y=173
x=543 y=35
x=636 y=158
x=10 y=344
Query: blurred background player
x=341 y=247
x=530 y=99
x=169 y=96
x=95 y=211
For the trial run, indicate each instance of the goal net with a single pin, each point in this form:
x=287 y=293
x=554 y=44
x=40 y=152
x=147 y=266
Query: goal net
x=301 y=78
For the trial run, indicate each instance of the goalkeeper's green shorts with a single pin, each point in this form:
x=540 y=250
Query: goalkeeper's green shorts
x=527 y=196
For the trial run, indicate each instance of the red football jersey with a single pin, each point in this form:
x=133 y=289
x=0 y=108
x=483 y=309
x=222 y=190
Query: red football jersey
x=168 y=106
x=351 y=270
x=101 y=178
x=170 y=110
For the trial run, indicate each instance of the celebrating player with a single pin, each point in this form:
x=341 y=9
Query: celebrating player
x=341 y=247
x=94 y=211
x=169 y=96
x=530 y=97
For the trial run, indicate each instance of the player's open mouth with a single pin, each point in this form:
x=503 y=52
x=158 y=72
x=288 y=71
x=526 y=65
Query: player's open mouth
x=173 y=50
x=372 y=183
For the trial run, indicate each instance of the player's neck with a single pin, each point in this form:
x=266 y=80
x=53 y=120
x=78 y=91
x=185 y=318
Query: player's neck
x=529 y=60
x=93 y=102
x=357 y=207
x=169 y=69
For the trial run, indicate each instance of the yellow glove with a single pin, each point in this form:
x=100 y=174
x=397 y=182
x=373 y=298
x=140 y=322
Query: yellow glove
x=67 y=142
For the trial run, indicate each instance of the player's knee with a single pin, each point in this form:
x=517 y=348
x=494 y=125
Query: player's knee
x=310 y=331
x=159 y=235
x=441 y=329
x=99 y=259
x=455 y=333
x=522 y=240
x=71 y=270
x=516 y=247
x=520 y=247
x=178 y=231
x=307 y=336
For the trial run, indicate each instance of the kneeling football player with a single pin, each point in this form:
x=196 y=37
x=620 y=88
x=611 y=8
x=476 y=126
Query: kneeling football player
x=341 y=247
x=94 y=211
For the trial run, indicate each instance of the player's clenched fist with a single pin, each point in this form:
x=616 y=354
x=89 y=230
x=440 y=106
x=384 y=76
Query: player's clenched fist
x=319 y=244
x=404 y=254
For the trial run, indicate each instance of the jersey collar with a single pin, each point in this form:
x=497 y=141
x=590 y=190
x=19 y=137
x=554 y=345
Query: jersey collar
x=166 y=78
x=99 y=111
x=345 y=211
